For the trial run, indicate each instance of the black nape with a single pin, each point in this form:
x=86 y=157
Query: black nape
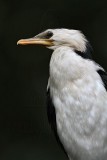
x=103 y=76
x=88 y=52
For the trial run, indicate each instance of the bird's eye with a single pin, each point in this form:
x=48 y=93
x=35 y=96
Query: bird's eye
x=49 y=34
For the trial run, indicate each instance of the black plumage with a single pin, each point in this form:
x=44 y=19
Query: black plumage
x=88 y=55
x=52 y=118
x=103 y=76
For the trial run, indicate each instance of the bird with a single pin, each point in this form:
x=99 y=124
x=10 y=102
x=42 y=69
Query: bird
x=76 y=94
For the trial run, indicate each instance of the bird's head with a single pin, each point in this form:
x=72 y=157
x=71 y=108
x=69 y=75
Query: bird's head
x=54 y=38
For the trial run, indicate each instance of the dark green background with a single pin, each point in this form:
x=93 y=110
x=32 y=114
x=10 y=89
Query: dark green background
x=24 y=130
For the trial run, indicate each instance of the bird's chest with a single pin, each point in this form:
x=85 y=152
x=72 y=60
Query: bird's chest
x=72 y=94
x=74 y=105
x=78 y=116
x=80 y=104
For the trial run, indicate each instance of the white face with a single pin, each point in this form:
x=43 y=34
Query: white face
x=66 y=37
x=54 y=38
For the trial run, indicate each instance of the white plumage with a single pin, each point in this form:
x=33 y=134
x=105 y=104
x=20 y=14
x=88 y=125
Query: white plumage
x=78 y=95
x=80 y=100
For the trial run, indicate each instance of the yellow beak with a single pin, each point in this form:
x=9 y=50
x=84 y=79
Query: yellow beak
x=36 y=41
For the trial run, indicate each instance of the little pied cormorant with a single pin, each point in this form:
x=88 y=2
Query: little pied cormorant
x=77 y=94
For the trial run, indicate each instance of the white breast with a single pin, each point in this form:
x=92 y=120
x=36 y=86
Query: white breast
x=80 y=102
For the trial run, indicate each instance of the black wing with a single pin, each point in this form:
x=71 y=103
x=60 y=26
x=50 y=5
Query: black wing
x=51 y=113
x=88 y=55
x=103 y=76
x=52 y=118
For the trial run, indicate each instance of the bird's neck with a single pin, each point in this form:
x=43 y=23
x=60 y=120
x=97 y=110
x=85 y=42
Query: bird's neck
x=67 y=66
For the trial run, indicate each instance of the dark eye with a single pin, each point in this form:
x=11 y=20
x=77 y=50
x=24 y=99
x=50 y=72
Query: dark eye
x=49 y=34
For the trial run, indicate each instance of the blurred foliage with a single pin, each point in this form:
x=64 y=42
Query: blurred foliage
x=24 y=130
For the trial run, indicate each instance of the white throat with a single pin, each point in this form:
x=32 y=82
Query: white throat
x=66 y=66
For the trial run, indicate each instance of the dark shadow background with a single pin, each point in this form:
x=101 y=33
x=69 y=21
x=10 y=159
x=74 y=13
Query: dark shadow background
x=24 y=130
